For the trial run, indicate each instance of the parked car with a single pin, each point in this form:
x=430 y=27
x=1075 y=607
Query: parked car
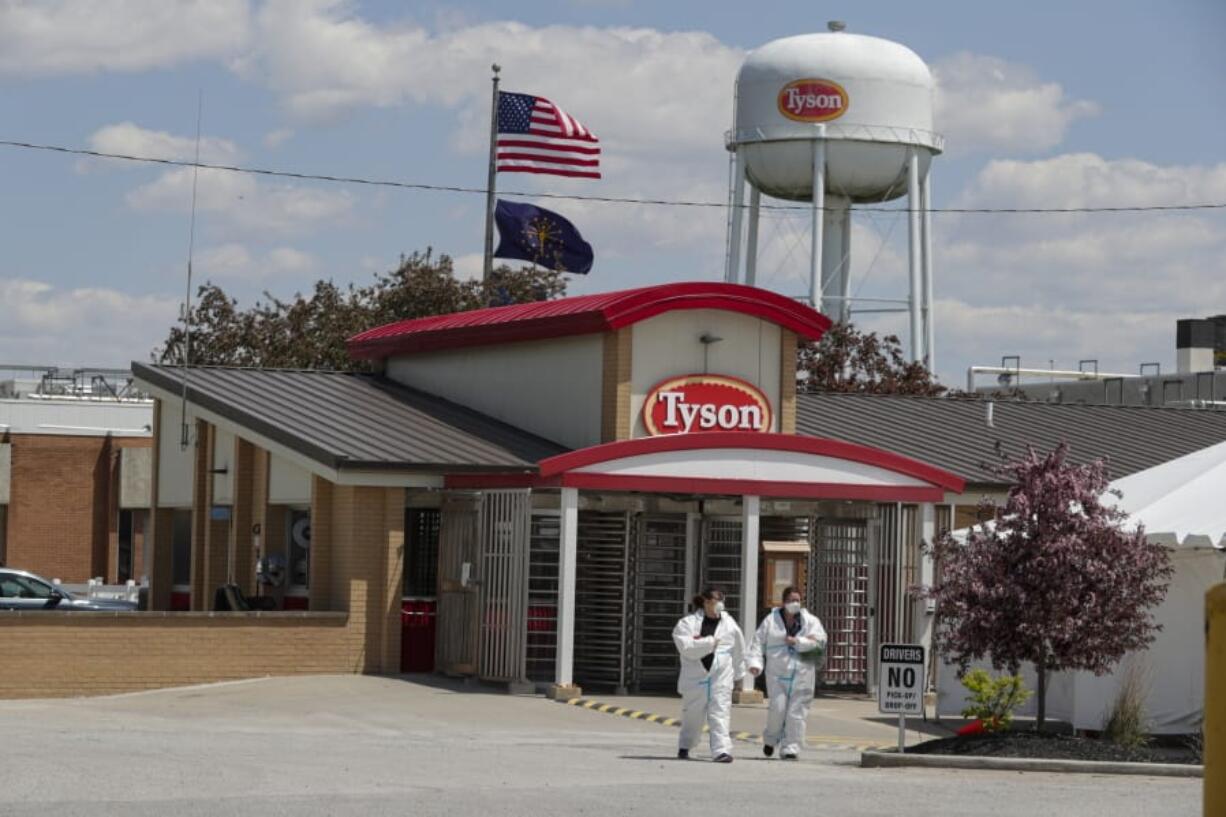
x=22 y=590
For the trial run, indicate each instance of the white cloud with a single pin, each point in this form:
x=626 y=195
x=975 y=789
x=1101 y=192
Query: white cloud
x=276 y=138
x=242 y=203
x=636 y=88
x=86 y=326
x=236 y=261
x=130 y=139
x=986 y=103
x=1071 y=286
x=49 y=37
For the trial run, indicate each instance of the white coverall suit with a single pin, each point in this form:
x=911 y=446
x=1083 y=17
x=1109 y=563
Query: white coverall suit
x=707 y=695
x=790 y=678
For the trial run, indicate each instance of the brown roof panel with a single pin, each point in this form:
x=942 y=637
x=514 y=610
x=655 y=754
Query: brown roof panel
x=356 y=421
x=955 y=435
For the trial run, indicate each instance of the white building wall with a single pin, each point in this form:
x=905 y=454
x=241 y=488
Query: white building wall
x=223 y=467
x=549 y=387
x=287 y=483
x=174 y=463
x=87 y=418
x=668 y=346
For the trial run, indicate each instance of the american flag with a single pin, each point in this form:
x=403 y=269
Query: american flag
x=536 y=136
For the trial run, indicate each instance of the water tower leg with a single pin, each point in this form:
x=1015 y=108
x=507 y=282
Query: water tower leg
x=819 y=207
x=736 y=202
x=845 y=279
x=836 y=247
x=913 y=216
x=751 y=243
x=930 y=358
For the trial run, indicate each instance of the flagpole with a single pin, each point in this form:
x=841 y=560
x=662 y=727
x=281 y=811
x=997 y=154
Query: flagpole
x=488 y=265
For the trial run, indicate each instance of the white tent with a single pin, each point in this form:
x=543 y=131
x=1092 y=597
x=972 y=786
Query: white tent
x=1182 y=504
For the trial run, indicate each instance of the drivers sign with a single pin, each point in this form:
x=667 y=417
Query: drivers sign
x=900 y=682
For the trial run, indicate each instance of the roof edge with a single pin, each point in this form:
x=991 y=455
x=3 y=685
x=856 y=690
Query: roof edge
x=496 y=325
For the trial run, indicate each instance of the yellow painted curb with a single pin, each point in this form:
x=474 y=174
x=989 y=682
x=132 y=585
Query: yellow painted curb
x=822 y=741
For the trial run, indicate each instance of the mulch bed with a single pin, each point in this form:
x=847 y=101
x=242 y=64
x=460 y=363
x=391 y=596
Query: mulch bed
x=1056 y=747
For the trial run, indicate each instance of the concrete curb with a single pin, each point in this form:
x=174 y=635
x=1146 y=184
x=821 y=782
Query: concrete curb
x=745 y=737
x=891 y=760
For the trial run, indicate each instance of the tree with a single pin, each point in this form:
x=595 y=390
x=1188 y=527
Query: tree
x=848 y=360
x=310 y=332
x=1053 y=579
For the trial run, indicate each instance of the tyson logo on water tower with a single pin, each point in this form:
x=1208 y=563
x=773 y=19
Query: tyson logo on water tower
x=705 y=402
x=812 y=100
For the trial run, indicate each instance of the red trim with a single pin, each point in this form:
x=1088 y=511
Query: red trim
x=737 y=487
x=819 y=446
x=582 y=314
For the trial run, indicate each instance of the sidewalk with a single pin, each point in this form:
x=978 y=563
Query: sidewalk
x=836 y=721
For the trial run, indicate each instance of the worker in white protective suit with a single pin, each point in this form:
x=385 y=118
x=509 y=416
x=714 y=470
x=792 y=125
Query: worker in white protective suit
x=712 y=650
x=790 y=645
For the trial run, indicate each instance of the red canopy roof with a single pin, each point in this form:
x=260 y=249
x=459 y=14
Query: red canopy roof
x=580 y=315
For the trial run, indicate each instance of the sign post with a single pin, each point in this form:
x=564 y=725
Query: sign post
x=900 y=684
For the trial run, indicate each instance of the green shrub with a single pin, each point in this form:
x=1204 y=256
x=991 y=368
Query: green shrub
x=993 y=699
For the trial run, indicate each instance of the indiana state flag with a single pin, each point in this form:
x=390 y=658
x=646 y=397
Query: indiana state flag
x=540 y=236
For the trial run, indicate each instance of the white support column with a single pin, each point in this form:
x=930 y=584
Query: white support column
x=819 y=207
x=845 y=278
x=750 y=509
x=736 y=207
x=913 y=207
x=568 y=553
x=930 y=359
x=751 y=243
x=927 y=573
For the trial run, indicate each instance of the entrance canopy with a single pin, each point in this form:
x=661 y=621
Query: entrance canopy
x=775 y=465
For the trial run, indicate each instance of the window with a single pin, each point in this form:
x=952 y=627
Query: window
x=299 y=528
x=13 y=586
x=421 y=527
x=123 y=567
x=181 y=548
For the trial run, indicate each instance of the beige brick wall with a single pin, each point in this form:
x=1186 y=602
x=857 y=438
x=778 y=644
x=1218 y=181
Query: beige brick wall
x=615 y=420
x=787 y=382
x=70 y=654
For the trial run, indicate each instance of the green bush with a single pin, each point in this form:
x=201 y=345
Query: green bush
x=993 y=699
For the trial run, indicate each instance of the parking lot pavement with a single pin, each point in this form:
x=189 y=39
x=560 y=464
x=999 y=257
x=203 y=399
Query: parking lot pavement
x=353 y=745
x=835 y=720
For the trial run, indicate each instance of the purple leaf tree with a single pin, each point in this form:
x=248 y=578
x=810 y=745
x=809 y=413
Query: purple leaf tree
x=1054 y=579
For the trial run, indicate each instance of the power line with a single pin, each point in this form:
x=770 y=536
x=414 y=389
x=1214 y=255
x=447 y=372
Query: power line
x=443 y=188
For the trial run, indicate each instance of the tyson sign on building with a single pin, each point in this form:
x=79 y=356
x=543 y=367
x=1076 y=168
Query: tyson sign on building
x=812 y=100
x=705 y=402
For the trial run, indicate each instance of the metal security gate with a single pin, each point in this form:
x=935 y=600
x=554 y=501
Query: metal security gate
x=838 y=590
x=601 y=591
x=541 y=650
x=719 y=559
x=896 y=573
x=659 y=599
x=458 y=548
x=503 y=583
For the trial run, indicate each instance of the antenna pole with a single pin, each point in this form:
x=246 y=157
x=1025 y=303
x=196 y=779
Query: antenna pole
x=488 y=265
x=184 y=431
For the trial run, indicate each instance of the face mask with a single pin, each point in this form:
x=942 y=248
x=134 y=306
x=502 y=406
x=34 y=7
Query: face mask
x=719 y=607
x=792 y=607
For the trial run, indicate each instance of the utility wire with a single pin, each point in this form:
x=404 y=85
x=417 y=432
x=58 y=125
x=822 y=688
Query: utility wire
x=443 y=188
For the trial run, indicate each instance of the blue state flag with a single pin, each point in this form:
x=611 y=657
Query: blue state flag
x=541 y=236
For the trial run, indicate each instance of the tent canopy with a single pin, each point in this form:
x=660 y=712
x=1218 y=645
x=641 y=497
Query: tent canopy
x=1179 y=502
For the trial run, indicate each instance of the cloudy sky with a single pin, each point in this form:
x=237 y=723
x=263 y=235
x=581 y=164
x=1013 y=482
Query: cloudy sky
x=1044 y=104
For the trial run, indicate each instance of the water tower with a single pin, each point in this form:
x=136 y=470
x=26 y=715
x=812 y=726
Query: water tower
x=836 y=119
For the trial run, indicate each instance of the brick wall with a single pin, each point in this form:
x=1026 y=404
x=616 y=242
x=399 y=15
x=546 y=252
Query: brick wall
x=71 y=654
x=615 y=420
x=60 y=517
